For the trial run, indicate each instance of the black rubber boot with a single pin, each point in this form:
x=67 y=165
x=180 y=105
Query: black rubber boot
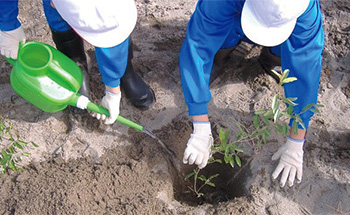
x=70 y=44
x=136 y=90
x=269 y=62
x=221 y=59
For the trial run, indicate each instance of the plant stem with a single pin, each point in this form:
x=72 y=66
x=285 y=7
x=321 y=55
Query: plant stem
x=195 y=182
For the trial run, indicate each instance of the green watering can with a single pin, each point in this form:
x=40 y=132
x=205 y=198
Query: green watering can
x=50 y=80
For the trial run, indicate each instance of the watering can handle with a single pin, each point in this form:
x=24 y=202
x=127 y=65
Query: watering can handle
x=10 y=60
x=13 y=61
x=98 y=109
x=66 y=76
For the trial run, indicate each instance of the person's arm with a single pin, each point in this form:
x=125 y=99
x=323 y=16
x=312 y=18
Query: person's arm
x=112 y=63
x=302 y=55
x=207 y=30
x=209 y=27
x=8 y=15
x=11 y=31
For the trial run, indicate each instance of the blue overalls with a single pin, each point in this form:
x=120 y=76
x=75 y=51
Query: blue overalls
x=216 y=25
x=111 y=61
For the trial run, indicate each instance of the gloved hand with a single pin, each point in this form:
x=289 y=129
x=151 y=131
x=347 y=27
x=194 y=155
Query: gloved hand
x=291 y=161
x=9 y=42
x=199 y=145
x=110 y=101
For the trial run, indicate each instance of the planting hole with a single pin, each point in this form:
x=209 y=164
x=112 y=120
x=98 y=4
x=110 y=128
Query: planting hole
x=230 y=182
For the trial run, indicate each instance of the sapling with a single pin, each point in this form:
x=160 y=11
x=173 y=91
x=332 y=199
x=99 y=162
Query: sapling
x=266 y=121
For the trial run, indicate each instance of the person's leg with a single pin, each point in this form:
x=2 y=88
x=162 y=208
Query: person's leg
x=222 y=57
x=68 y=42
x=136 y=90
x=116 y=69
x=270 y=60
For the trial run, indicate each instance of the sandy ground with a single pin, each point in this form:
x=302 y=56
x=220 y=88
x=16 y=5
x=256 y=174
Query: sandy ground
x=84 y=167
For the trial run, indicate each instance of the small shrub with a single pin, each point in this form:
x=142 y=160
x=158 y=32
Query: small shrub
x=12 y=147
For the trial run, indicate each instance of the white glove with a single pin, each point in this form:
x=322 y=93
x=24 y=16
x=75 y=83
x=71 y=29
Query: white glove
x=199 y=145
x=10 y=40
x=291 y=161
x=110 y=101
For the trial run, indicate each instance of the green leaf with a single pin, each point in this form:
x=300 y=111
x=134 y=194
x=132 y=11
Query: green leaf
x=202 y=178
x=268 y=132
x=5 y=159
x=12 y=165
x=35 y=145
x=290 y=110
x=266 y=121
x=274 y=102
x=256 y=121
x=314 y=110
x=7 y=130
x=210 y=184
x=235 y=148
x=190 y=175
x=295 y=127
x=227 y=150
x=232 y=163
x=22 y=143
x=12 y=149
x=268 y=114
x=276 y=116
x=254 y=134
x=223 y=136
x=297 y=118
x=289 y=101
x=276 y=73
x=18 y=145
x=259 y=112
x=292 y=98
x=264 y=137
x=307 y=107
x=259 y=144
x=286 y=114
x=213 y=176
x=302 y=125
x=218 y=161
x=285 y=74
x=226 y=159
x=11 y=138
x=26 y=154
x=238 y=161
x=319 y=105
x=288 y=80
x=278 y=128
